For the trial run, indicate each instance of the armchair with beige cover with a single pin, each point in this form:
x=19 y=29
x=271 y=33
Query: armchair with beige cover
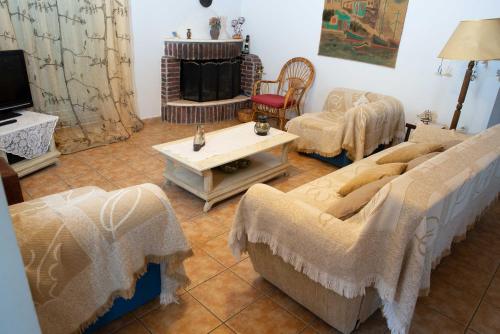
x=352 y=120
x=86 y=247
x=382 y=256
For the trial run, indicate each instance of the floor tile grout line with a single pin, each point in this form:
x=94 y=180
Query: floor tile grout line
x=263 y=294
x=482 y=298
x=29 y=194
x=204 y=281
x=93 y=168
x=221 y=325
x=307 y=324
x=244 y=279
x=431 y=308
x=143 y=324
x=217 y=260
x=220 y=262
x=263 y=291
x=204 y=213
x=484 y=272
x=453 y=286
x=246 y=306
x=124 y=325
x=206 y=307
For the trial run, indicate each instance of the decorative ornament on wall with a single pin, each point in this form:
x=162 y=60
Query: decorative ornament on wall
x=368 y=31
x=206 y=3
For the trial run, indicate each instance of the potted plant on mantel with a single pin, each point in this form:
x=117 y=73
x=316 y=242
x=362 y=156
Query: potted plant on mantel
x=215 y=25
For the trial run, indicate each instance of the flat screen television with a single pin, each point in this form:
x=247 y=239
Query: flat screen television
x=15 y=91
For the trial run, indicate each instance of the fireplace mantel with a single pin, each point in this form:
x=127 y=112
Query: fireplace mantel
x=203 y=49
x=183 y=40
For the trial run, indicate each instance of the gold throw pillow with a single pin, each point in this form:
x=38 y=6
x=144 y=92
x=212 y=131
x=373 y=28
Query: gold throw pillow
x=421 y=159
x=372 y=174
x=346 y=207
x=410 y=152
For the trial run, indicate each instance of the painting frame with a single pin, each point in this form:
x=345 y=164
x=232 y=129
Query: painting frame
x=363 y=30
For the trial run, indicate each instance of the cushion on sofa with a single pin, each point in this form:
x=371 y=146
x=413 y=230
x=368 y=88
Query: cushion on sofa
x=273 y=100
x=349 y=205
x=432 y=134
x=408 y=153
x=372 y=174
x=421 y=159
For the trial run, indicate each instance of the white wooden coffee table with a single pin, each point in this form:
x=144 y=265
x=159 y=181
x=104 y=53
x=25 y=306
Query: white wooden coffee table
x=197 y=171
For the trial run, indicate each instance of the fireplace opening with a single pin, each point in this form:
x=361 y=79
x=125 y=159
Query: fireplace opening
x=210 y=80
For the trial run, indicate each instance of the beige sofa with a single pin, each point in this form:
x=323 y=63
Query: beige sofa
x=344 y=270
x=352 y=120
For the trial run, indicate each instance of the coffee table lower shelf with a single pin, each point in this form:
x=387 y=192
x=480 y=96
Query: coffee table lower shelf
x=214 y=185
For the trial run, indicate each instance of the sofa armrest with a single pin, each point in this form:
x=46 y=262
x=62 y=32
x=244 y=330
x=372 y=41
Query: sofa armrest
x=265 y=213
x=11 y=183
x=116 y=211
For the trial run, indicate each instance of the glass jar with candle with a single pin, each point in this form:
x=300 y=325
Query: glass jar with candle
x=262 y=126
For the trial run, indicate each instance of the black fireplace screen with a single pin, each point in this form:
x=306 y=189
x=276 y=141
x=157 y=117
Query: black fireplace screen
x=210 y=80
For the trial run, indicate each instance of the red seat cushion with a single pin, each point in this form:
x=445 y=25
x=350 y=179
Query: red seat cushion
x=272 y=100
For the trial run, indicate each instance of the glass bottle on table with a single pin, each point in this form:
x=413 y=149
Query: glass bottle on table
x=199 y=138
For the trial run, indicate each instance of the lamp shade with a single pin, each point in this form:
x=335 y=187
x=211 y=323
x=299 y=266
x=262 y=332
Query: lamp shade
x=474 y=40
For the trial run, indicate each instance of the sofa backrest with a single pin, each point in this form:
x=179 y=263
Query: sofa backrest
x=343 y=99
x=450 y=189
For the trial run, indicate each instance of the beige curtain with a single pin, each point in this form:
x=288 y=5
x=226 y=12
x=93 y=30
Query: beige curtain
x=78 y=58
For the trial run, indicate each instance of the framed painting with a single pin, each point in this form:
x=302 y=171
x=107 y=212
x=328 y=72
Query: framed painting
x=363 y=30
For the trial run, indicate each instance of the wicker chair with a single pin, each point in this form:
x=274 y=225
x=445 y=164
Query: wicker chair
x=276 y=98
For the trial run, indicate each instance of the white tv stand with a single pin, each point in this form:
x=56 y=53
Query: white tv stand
x=27 y=166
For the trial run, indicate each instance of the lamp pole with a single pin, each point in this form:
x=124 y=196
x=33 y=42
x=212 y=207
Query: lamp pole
x=463 y=93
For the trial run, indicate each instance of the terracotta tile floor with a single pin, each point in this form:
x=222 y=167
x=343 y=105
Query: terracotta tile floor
x=228 y=296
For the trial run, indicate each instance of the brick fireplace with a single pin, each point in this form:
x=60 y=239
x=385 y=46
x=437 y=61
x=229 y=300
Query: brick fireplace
x=177 y=109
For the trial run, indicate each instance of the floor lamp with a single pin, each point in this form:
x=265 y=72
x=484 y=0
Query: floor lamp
x=473 y=41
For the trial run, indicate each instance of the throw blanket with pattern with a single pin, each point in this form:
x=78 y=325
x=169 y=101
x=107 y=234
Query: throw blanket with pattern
x=355 y=121
x=85 y=247
x=394 y=241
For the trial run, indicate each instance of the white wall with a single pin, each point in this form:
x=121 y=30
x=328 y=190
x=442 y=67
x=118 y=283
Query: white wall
x=154 y=20
x=17 y=313
x=282 y=29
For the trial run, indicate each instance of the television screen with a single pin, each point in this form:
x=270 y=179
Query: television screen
x=14 y=85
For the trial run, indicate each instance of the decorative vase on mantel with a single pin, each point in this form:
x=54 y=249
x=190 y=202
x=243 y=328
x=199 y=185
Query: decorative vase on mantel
x=215 y=25
x=214 y=33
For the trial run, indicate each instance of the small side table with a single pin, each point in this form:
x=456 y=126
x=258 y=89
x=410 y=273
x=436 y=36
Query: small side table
x=36 y=130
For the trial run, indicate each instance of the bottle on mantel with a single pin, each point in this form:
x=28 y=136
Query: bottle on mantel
x=246 y=46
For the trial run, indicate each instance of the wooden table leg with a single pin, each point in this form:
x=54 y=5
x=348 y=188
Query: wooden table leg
x=208 y=180
x=285 y=148
x=208 y=184
x=207 y=206
x=169 y=169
